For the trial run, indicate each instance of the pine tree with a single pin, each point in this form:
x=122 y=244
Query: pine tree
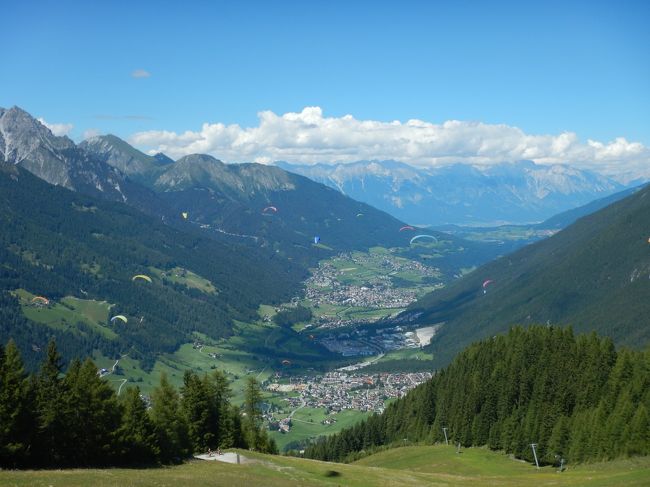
x=253 y=412
x=52 y=424
x=558 y=443
x=169 y=422
x=200 y=412
x=136 y=436
x=220 y=393
x=16 y=413
x=637 y=434
x=94 y=416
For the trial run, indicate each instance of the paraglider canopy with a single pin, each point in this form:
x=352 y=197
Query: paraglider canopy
x=286 y=362
x=359 y=214
x=486 y=283
x=406 y=227
x=418 y=237
x=141 y=276
x=270 y=208
x=316 y=239
x=185 y=215
x=119 y=317
x=40 y=299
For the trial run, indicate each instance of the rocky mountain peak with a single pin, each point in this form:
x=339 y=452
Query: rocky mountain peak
x=27 y=143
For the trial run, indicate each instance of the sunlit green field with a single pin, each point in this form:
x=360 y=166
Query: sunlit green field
x=410 y=466
x=307 y=424
x=186 y=278
x=66 y=313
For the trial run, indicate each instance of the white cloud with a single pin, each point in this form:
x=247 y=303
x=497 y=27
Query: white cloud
x=308 y=137
x=91 y=133
x=57 y=129
x=140 y=73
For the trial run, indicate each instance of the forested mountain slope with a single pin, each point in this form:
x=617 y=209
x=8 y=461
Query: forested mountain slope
x=575 y=397
x=266 y=206
x=58 y=243
x=594 y=275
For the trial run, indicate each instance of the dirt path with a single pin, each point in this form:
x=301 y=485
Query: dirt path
x=228 y=457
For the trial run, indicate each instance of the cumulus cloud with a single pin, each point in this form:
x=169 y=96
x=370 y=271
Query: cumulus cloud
x=140 y=73
x=58 y=129
x=309 y=137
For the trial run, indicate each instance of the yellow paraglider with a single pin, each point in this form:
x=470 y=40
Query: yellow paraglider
x=40 y=299
x=119 y=317
x=141 y=276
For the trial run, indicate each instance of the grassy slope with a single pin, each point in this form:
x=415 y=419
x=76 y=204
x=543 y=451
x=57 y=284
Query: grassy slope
x=411 y=466
x=307 y=424
x=67 y=313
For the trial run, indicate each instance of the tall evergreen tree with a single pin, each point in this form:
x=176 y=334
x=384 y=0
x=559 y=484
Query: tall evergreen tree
x=94 y=416
x=169 y=422
x=16 y=409
x=257 y=437
x=200 y=410
x=137 y=438
x=51 y=416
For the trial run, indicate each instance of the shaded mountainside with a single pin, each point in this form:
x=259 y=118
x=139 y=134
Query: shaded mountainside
x=224 y=201
x=575 y=397
x=233 y=197
x=59 y=243
x=519 y=192
x=594 y=275
x=228 y=201
x=566 y=218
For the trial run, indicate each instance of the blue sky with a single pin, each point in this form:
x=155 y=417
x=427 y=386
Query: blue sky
x=544 y=67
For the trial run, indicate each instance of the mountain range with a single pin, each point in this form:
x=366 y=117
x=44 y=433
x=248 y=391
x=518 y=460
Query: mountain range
x=520 y=192
x=80 y=220
x=104 y=198
x=226 y=201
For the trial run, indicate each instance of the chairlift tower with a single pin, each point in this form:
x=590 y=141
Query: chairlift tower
x=533 y=445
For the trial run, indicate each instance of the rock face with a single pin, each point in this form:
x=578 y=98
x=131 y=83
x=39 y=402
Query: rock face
x=27 y=143
x=243 y=180
x=521 y=192
x=117 y=153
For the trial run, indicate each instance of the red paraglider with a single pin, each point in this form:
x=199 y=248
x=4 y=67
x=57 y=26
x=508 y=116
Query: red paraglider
x=407 y=227
x=486 y=283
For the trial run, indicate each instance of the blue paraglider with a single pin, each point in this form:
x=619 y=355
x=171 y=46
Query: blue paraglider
x=316 y=240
